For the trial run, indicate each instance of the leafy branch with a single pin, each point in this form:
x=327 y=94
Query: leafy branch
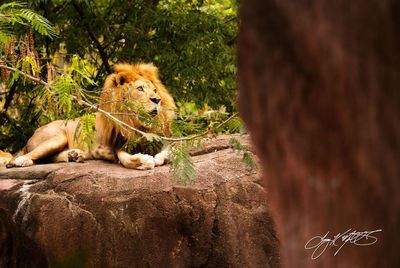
x=16 y=12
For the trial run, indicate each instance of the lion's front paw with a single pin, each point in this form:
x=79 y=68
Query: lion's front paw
x=75 y=155
x=142 y=161
x=161 y=158
x=137 y=161
x=23 y=161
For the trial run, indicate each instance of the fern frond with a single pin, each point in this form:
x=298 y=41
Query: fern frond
x=65 y=88
x=181 y=163
x=16 y=12
x=152 y=137
x=5 y=34
x=12 y=5
x=15 y=75
x=80 y=71
x=88 y=123
x=247 y=159
x=232 y=126
x=38 y=23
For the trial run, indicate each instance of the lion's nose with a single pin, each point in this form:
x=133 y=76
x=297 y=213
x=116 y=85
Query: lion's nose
x=155 y=100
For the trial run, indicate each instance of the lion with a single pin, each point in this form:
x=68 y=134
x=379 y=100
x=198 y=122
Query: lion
x=139 y=84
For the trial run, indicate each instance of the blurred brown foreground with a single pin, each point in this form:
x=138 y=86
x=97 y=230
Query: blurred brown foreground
x=320 y=93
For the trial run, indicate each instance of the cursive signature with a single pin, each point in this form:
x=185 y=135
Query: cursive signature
x=321 y=243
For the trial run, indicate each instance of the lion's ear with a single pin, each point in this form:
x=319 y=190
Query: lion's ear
x=111 y=81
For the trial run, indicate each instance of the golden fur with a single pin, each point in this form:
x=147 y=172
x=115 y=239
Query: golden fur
x=4 y=157
x=138 y=85
x=127 y=74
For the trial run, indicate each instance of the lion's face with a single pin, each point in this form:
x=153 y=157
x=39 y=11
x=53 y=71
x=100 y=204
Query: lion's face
x=145 y=94
x=139 y=87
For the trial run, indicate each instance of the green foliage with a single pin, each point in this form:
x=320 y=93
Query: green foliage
x=81 y=70
x=152 y=137
x=247 y=159
x=58 y=98
x=182 y=165
x=65 y=89
x=234 y=125
x=88 y=123
x=16 y=13
x=191 y=42
x=189 y=120
x=143 y=146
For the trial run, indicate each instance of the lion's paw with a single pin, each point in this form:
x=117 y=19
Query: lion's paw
x=75 y=155
x=161 y=158
x=142 y=161
x=23 y=161
x=137 y=161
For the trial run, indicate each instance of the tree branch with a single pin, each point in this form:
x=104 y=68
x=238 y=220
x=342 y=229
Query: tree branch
x=92 y=36
x=227 y=120
x=34 y=79
x=9 y=97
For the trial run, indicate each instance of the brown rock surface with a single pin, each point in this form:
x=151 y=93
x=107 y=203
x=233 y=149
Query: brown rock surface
x=108 y=216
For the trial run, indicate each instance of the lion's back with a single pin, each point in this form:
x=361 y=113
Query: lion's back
x=54 y=128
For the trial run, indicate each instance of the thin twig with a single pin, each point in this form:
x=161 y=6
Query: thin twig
x=227 y=120
x=111 y=101
x=131 y=114
x=34 y=79
x=96 y=108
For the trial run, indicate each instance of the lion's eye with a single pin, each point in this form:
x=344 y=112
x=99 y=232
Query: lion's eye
x=140 y=88
x=155 y=90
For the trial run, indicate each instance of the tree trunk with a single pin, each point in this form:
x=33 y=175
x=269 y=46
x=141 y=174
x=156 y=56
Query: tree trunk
x=319 y=93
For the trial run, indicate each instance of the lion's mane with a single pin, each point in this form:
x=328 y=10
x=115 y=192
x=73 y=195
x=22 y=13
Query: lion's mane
x=109 y=132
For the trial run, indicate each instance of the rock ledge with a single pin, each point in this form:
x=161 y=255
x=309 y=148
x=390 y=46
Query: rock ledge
x=103 y=215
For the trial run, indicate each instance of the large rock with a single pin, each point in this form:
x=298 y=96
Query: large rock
x=104 y=215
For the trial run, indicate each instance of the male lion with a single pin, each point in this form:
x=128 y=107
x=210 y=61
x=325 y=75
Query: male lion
x=135 y=84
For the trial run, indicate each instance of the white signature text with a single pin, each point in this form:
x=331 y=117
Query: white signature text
x=320 y=243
